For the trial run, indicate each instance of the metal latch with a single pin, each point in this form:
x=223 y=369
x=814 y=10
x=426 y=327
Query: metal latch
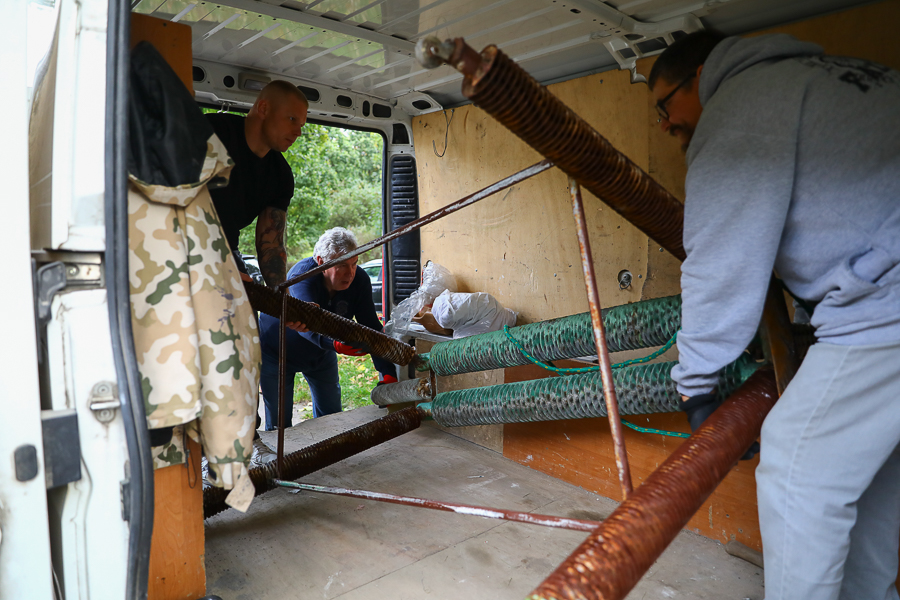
x=49 y=279
x=104 y=401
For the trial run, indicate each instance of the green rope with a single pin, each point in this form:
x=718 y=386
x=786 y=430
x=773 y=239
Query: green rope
x=677 y=434
x=634 y=361
x=549 y=367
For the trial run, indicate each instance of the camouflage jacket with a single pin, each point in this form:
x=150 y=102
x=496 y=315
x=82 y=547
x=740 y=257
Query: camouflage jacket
x=195 y=334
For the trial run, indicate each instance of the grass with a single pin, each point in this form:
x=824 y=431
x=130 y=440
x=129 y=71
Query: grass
x=358 y=377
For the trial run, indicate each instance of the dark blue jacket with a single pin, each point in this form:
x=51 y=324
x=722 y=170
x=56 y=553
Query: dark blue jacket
x=353 y=303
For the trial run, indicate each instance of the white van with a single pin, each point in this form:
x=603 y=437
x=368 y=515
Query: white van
x=76 y=480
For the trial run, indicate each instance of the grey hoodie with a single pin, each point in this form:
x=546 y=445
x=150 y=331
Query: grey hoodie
x=795 y=164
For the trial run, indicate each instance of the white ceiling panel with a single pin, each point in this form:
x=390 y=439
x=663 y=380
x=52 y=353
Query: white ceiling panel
x=367 y=46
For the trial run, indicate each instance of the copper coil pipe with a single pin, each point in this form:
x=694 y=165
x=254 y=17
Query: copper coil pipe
x=320 y=455
x=268 y=301
x=614 y=557
x=515 y=99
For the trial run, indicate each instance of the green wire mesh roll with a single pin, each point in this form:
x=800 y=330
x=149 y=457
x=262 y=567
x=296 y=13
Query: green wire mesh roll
x=628 y=327
x=641 y=389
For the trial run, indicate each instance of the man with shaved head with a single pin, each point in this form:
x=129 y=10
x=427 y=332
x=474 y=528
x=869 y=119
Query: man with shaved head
x=261 y=184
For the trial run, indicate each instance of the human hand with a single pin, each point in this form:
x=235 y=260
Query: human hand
x=699 y=407
x=348 y=349
x=296 y=326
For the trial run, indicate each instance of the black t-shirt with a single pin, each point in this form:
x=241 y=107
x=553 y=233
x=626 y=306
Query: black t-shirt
x=255 y=183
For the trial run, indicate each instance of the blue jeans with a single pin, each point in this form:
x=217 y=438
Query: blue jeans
x=321 y=374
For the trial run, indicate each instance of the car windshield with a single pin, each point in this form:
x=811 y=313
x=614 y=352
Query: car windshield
x=373 y=270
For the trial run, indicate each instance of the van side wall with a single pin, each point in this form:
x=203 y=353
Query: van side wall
x=520 y=246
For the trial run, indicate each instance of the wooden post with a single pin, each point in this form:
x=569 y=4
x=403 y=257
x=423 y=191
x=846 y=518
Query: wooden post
x=177 y=569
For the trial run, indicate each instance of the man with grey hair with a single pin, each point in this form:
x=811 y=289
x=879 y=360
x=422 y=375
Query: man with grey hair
x=345 y=290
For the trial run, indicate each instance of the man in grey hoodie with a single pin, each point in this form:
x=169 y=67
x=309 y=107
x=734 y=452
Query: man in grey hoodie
x=794 y=164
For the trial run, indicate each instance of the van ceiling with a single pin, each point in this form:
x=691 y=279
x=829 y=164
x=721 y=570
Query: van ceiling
x=368 y=46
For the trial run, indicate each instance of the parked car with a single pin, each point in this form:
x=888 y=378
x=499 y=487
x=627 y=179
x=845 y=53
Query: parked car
x=373 y=270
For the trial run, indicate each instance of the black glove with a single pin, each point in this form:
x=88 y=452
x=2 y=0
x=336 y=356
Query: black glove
x=699 y=407
x=752 y=451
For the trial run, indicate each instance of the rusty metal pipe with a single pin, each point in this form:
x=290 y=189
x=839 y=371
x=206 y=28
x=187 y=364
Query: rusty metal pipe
x=614 y=557
x=462 y=509
x=451 y=208
x=319 y=320
x=410 y=390
x=505 y=91
x=282 y=373
x=322 y=454
x=593 y=295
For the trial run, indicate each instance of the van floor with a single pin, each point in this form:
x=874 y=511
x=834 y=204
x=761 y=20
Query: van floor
x=310 y=545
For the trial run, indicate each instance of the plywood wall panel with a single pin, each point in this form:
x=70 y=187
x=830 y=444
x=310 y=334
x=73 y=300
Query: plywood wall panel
x=520 y=245
x=171 y=40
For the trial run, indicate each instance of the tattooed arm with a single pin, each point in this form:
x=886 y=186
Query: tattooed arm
x=270 y=245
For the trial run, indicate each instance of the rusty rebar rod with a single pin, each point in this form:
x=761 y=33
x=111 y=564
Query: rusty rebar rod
x=593 y=295
x=462 y=509
x=510 y=95
x=614 y=557
x=451 y=208
x=321 y=454
x=282 y=374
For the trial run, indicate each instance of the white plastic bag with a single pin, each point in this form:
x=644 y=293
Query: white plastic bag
x=471 y=314
x=435 y=279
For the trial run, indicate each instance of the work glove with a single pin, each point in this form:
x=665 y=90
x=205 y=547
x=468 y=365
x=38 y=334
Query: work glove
x=382 y=379
x=699 y=407
x=348 y=350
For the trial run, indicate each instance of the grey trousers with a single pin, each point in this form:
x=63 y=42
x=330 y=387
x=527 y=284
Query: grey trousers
x=828 y=481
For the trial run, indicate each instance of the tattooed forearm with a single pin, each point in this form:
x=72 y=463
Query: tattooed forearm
x=270 y=245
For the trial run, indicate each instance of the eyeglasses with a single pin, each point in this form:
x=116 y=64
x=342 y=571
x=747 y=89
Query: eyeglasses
x=661 y=104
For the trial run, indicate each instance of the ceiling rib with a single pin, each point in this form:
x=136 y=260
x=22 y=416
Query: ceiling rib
x=368 y=6
x=516 y=21
x=410 y=15
x=315 y=56
x=186 y=10
x=251 y=39
x=350 y=62
x=378 y=69
x=507 y=44
x=287 y=47
x=470 y=15
x=296 y=16
x=218 y=27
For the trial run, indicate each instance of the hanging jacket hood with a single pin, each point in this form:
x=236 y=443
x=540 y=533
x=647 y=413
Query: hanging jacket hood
x=167 y=131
